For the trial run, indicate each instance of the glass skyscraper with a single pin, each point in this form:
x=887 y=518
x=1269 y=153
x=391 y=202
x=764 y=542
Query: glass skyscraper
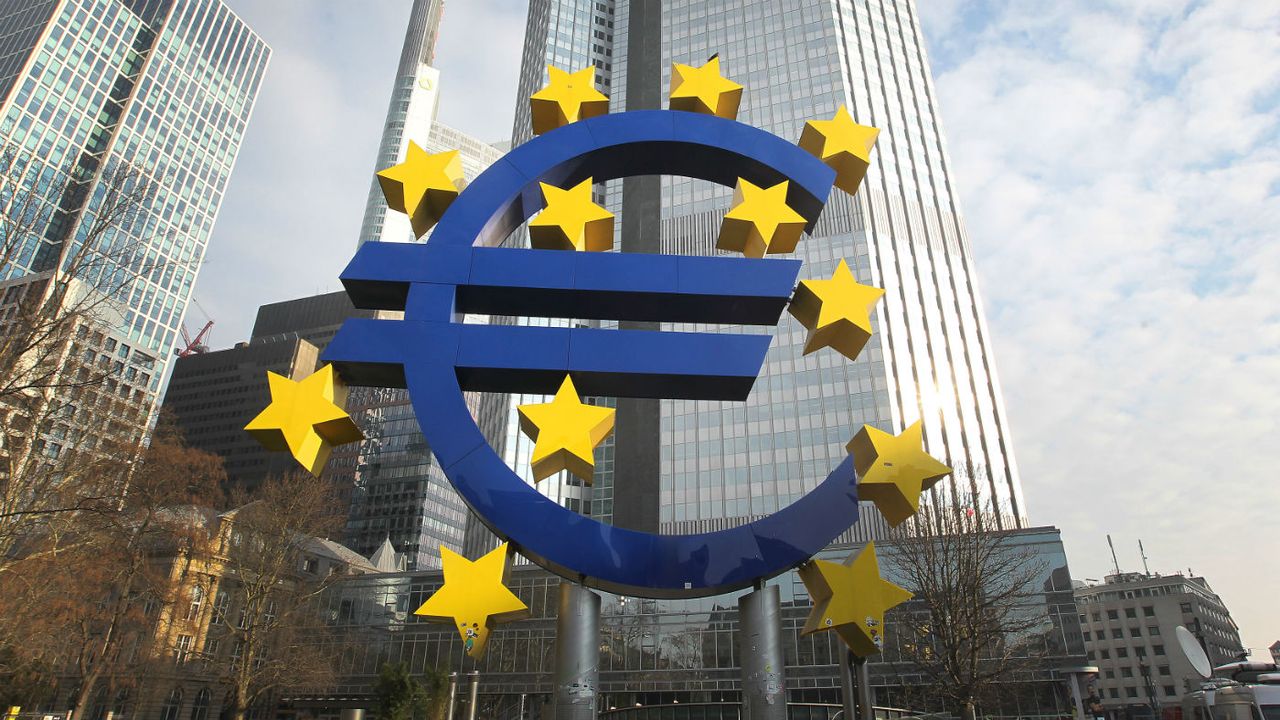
x=724 y=463
x=399 y=493
x=159 y=89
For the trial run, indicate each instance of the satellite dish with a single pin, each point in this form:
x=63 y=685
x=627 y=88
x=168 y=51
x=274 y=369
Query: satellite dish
x=1195 y=654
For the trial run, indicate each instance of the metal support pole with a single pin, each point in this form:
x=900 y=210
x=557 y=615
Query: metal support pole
x=855 y=687
x=453 y=695
x=848 y=686
x=473 y=695
x=866 y=694
x=764 y=688
x=577 y=653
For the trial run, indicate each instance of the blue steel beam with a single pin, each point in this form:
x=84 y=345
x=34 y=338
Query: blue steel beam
x=589 y=286
x=524 y=359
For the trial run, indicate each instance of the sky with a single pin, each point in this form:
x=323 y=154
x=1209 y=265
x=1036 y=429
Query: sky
x=1118 y=165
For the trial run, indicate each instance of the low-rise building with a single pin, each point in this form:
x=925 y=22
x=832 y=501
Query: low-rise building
x=1128 y=623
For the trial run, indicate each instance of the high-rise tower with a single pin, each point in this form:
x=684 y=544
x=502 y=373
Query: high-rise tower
x=99 y=96
x=723 y=463
x=398 y=490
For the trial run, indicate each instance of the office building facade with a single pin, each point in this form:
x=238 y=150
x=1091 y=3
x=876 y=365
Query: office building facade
x=721 y=464
x=1128 y=622
x=120 y=121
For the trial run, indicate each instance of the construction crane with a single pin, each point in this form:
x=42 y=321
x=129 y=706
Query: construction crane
x=196 y=345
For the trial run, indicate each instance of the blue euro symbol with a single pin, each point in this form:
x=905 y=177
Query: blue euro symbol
x=461 y=270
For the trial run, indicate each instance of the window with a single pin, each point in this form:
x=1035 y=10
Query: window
x=1131 y=692
x=1135 y=632
x=1140 y=652
x=1122 y=652
x=1105 y=654
x=1148 y=611
x=183 y=649
x=1157 y=649
x=1153 y=630
x=1097 y=616
x=172 y=705
x=1130 y=613
x=1113 y=692
x=221 y=602
x=1088 y=636
x=1117 y=633
x=200 y=707
x=1185 y=607
x=1170 y=690
x=1126 y=672
x=1109 y=674
x=1113 y=615
x=197 y=602
x=1163 y=669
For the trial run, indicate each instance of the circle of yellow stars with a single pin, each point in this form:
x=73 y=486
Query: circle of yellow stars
x=306 y=417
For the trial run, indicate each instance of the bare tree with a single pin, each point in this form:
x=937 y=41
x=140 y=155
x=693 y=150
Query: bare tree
x=97 y=593
x=274 y=567
x=69 y=234
x=972 y=627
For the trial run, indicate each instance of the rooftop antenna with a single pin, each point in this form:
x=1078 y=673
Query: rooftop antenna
x=1142 y=551
x=1114 y=562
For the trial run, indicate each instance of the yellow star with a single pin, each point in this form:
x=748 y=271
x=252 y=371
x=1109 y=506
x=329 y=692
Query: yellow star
x=423 y=186
x=571 y=221
x=305 y=417
x=760 y=221
x=843 y=144
x=704 y=90
x=893 y=471
x=566 y=432
x=851 y=598
x=568 y=98
x=837 y=312
x=474 y=597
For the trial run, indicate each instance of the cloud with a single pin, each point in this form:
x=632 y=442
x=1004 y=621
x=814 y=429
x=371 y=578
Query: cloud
x=1119 y=169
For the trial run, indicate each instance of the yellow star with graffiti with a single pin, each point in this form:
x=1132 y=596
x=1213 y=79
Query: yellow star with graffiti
x=851 y=598
x=474 y=597
x=566 y=432
x=894 y=470
x=305 y=418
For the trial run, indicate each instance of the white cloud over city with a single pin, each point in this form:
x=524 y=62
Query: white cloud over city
x=1119 y=168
